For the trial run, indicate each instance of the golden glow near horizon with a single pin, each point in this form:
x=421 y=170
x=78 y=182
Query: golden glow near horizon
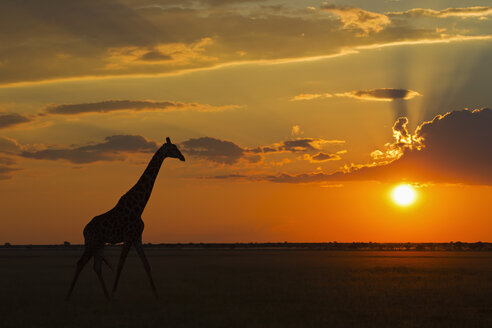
x=404 y=195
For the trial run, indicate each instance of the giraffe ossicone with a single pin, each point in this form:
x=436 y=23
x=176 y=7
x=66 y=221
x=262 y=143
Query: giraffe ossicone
x=123 y=223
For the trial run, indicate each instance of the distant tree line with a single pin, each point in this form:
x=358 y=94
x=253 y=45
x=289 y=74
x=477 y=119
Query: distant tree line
x=331 y=246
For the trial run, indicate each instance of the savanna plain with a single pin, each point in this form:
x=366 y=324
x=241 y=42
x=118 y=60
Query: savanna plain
x=251 y=288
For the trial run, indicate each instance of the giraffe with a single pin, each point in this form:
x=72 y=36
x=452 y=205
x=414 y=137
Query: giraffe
x=123 y=224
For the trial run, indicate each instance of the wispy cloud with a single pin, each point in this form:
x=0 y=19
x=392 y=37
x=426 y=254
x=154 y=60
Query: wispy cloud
x=311 y=96
x=296 y=131
x=296 y=145
x=161 y=40
x=167 y=54
x=113 y=148
x=467 y=12
x=227 y=152
x=8 y=120
x=358 y=19
x=322 y=157
x=6 y=172
x=109 y=106
x=213 y=150
x=382 y=94
x=8 y=148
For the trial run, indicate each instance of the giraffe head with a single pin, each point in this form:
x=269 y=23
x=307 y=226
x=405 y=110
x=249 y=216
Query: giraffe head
x=170 y=150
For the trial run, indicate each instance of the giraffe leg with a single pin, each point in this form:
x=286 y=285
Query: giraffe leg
x=124 y=253
x=86 y=256
x=98 y=258
x=140 y=251
x=105 y=260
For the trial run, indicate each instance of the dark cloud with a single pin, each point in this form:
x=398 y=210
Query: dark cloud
x=228 y=177
x=6 y=161
x=112 y=149
x=254 y=158
x=226 y=2
x=299 y=178
x=452 y=148
x=214 y=150
x=263 y=149
x=386 y=94
x=323 y=157
x=11 y=119
x=9 y=146
x=295 y=145
x=6 y=172
x=298 y=145
x=129 y=105
x=227 y=152
x=57 y=39
x=155 y=55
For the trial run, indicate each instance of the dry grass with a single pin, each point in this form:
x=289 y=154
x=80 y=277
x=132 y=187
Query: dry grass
x=252 y=288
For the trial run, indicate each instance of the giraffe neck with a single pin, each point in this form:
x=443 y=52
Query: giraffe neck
x=138 y=196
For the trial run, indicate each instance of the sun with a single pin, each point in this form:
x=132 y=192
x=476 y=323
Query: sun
x=403 y=195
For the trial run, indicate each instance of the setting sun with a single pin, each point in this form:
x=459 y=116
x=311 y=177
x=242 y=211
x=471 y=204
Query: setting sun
x=403 y=195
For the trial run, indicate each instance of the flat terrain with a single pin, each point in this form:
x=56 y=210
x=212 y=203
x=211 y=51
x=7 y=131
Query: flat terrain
x=252 y=288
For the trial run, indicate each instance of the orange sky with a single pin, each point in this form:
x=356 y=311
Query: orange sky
x=297 y=118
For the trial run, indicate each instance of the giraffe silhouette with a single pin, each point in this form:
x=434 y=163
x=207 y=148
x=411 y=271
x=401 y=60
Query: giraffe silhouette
x=123 y=223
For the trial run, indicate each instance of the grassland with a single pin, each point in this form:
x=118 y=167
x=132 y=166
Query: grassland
x=252 y=288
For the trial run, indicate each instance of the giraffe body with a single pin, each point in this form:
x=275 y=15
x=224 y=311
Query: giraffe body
x=113 y=227
x=123 y=223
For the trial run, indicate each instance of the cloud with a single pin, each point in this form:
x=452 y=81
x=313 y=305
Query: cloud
x=358 y=19
x=297 y=178
x=384 y=94
x=295 y=145
x=322 y=157
x=6 y=161
x=8 y=120
x=52 y=41
x=11 y=119
x=111 y=149
x=6 y=172
x=168 y=54
x=155 y=55
x=226 y=2
x=452 y=148
x=227 y=177
x=311 y=96
x=227 y=152
x=296 y=130
x=9 y=146
x=214 y=150
x=116 y=147
x=130 y=105
x=467 y=12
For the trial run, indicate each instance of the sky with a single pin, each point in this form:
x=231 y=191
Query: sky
x=297 y=118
